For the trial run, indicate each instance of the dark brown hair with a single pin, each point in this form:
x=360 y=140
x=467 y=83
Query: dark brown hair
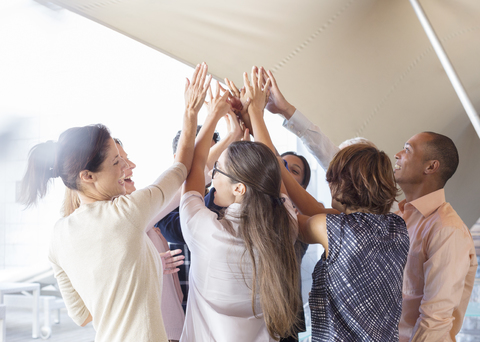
x=361 y=177
x=268 y=231
x=306 y=167
x=77 y=149
x=443 y=149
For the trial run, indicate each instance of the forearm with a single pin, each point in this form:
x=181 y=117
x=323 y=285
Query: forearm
x=75 y=306
x=186 y=142
x=304 y=202
x=196 y=179
x=217 y=149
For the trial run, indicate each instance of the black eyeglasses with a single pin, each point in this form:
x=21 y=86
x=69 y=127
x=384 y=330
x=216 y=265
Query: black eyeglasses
x=215 y=169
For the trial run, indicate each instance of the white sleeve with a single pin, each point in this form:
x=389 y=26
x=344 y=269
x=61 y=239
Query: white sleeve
x=197 y=220
x=313 y=138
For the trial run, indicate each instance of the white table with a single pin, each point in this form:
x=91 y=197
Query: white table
x=20 y=287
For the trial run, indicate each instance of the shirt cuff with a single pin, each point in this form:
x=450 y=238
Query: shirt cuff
x=298 y=124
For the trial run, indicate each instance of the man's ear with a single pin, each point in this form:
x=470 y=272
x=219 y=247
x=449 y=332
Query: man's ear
x=240 y=189
x=87 y=176
x=432 y=167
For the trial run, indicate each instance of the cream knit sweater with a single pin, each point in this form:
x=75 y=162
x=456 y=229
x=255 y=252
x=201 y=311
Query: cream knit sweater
x=107 y=266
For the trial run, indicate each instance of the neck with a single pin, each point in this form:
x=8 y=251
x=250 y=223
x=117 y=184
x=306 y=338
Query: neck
x=358 y=210
x=87 y=197
x=415 y=191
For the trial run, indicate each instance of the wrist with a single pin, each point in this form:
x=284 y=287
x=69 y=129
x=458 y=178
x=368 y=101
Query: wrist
x=288 y=112
x=190 y=112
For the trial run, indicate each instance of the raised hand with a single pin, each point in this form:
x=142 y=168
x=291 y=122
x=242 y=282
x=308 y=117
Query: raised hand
x=277 y=104
x=196 y=90
x=218 y=105
x=239 y=102
x=234 y=126
x=257 y=90
x=170 y=262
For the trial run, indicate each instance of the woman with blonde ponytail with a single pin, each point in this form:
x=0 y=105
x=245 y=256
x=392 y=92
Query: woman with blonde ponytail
x=108 y=270
x=244 y=278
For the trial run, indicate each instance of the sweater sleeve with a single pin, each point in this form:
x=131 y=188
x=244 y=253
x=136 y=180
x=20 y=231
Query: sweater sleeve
x=75 y=306
x=143 y=206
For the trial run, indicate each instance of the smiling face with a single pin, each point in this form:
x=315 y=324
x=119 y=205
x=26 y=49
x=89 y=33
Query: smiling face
x=410 y=162
x=129 y=183
x=295 y=167
x=109 y=181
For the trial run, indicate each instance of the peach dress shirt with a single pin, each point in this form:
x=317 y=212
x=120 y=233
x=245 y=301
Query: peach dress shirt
x=440 y=270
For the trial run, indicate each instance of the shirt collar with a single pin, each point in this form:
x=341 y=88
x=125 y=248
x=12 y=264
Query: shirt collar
x=427 y=204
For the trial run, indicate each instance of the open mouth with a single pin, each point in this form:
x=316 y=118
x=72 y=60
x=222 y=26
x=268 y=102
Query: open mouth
x=128 y=179
x=397 y=167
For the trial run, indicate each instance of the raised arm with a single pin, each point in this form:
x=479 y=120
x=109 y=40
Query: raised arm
x=304 y=202
x=234 y=133
x=313 y=230
x=277 y=104
x=317 y=143
x=217 y=107
x=195 y=92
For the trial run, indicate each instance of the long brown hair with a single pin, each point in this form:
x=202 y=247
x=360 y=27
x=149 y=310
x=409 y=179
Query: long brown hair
x=268 y=231
x=77 y=149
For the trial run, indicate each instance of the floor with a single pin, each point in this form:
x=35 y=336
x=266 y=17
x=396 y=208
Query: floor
x=19 y=328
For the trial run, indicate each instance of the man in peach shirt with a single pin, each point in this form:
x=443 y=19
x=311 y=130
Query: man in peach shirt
x=441 y=264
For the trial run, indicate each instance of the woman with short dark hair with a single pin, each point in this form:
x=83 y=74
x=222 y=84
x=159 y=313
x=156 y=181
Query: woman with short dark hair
x=107 y=268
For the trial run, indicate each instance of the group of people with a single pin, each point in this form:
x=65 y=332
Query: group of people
x=383 y=276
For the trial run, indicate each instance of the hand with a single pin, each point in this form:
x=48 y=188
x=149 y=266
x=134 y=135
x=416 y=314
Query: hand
x=276 y=101
x=239 y=102
x=196 y=91
x=170 y=261
x=257 y=90
x=218 y=105
x=234 y=126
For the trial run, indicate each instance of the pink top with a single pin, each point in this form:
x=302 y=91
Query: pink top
x=172 y=296
x=440 y=271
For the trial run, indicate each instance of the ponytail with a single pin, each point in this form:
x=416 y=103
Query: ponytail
x=41 y=168
x=77 y=149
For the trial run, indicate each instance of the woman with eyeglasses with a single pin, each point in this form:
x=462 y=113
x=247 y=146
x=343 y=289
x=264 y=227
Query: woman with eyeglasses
x=244 y=275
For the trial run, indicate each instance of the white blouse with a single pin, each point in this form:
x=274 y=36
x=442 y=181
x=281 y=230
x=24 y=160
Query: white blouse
x=219 y=301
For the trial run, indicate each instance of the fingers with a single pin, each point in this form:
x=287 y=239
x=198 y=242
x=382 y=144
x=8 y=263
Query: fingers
x=174 y=262
x=246 y=135
x=232 y=87
x=227 y=121
x=207 y=83
x=246 y=81
x=254 y=75
x=202 y=75
x=195 y=74
x=187 y=84
x=174 y=252
x=260 y=78
x=272 y=79
x=210 y=93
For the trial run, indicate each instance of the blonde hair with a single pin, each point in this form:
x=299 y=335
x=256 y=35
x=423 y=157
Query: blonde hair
x=71 y=202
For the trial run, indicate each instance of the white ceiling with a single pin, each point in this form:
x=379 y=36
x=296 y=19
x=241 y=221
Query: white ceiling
x=353 y=67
